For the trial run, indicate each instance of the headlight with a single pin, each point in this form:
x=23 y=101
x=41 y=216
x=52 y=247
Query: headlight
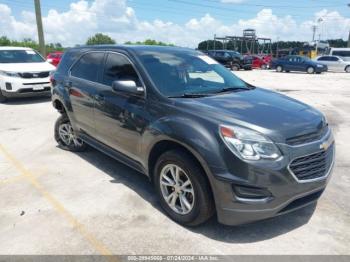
x=248 y=144
x=11 y=74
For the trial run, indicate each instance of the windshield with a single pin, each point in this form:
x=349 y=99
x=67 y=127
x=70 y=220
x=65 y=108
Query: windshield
x=20 y=56
x=180 y=73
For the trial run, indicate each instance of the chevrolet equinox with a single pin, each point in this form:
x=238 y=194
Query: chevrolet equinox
x=208 y=141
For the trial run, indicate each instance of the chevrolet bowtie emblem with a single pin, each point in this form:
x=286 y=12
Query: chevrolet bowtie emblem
x=326 y=144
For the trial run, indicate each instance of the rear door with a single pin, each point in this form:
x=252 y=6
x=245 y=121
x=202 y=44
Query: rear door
x=81 y=85
x=329 y=62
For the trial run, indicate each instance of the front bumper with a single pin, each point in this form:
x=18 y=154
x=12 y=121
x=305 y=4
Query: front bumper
x=321 y=69
x=284 y=192
x=21 y=87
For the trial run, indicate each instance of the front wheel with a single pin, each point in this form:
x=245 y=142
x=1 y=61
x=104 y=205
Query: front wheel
x=347 y=69
x=310 y=70
x=3 y=98
x=183 y=188
x=66 y=137
x=279 y=69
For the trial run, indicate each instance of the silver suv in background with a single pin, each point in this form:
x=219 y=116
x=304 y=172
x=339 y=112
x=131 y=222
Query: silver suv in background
x=334 y=63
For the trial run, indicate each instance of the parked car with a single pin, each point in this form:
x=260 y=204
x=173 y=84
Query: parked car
x=334 y=63
x=23 y=73
x=259 y=62
x=54 y=58
x=298 y=63
x=231 y=59
x=207 y=140
x=344 y=53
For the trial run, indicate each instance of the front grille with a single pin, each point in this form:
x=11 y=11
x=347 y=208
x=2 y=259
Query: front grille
x=307 y=138
x=313 y=166
x=35 y=74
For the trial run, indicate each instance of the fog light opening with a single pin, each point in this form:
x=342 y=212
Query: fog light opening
x=253 y=193
x=8 y=86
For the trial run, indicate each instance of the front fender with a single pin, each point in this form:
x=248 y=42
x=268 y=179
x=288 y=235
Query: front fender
x=200 y=138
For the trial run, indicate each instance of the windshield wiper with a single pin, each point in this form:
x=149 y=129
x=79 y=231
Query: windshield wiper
x=190 y=95
x=233 y=89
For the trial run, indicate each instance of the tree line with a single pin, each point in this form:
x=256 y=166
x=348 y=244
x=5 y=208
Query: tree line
x=97 y=39
x=230 y=45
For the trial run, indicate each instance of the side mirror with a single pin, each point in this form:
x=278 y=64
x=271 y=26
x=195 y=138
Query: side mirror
x=127 y=87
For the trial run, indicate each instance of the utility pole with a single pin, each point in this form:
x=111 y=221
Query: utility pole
x=314 y=27
x=39 y=24
x=349 y=32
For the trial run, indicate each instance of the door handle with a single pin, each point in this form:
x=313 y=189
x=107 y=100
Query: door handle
x=99 y=97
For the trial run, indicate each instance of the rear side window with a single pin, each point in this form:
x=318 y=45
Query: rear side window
x=118 y=67
x=88 y=66
x=334 y=58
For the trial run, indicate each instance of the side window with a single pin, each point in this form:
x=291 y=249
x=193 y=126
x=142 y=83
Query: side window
x=227 y=55
x=334 y=59
x=322 y=58
x=88 y=66
x=118 y=67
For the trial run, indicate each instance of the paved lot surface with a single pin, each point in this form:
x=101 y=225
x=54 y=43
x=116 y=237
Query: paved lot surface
x=57 y=202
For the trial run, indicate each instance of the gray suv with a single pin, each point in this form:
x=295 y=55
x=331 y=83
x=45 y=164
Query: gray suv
x=209 y=142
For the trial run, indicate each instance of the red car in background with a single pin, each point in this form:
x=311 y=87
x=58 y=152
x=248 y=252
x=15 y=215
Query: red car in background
x=262 y=62
x=54 y=57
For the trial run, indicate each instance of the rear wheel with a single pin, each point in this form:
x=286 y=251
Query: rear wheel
x=183 y=189
x=279 y=69
x=347 y=69
x=310 y=70
x=235 y=67
x=66 y=137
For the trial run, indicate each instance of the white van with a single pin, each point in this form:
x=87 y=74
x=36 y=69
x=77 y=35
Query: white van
x=23 y=73
x=342 y=52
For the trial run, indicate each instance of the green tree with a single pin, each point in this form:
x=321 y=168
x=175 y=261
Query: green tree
x=148 y=42
x=4 y=41
x=100 y=39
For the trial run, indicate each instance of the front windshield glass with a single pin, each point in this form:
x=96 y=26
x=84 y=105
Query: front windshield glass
x=179 y=73
x=20 y=56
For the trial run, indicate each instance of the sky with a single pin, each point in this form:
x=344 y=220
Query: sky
x=181 y=22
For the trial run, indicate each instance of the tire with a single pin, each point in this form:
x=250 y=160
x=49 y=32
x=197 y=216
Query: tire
x=235 y=67
x=200 y=202
x=347 y=69
x=68 y=141
x=279 y=68
x=3 y=98
x=263 y=67
x=310 y=70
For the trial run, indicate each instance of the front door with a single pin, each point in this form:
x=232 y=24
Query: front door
x=120 y=117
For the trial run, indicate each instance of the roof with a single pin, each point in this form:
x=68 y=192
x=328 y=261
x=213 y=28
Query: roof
x=136 y=48
x=14 y=48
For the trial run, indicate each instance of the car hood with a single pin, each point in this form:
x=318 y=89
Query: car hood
x=270 y=113
x=26 y=67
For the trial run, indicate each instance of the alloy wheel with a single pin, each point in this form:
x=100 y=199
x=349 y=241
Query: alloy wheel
x=177 y=189
x=67 y=135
